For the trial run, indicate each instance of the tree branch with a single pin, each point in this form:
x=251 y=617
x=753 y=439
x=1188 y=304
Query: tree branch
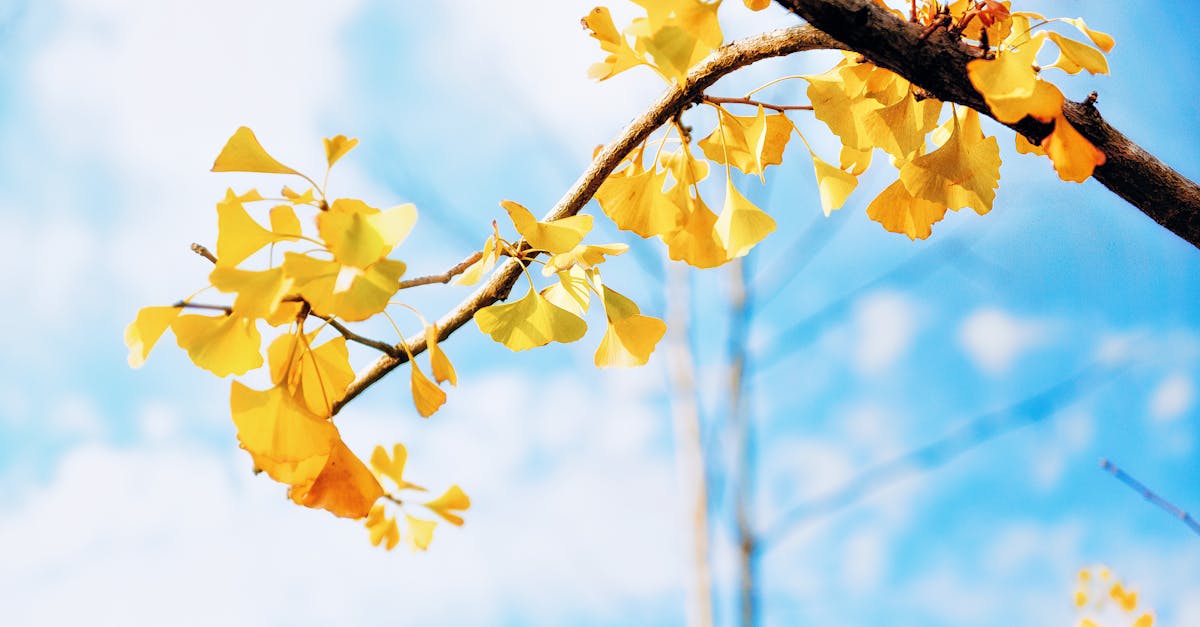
x=937 y=63
x=723 y=61
x=444 y=277
x=1151 y=496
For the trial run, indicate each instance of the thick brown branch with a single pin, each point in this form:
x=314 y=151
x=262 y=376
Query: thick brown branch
x=444 y=277
x=938 y=64
x=729 y=58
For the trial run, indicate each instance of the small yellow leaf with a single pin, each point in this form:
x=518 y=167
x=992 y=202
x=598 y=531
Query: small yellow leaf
x=393 y=467
x=285 y=440
x=359 y=235
x=751 y=142
x=366 y=293
x=634 y=201
x=530 y=322
x=492 y=249
x=299 y=199
x=259 y=293
x=583 y=256
x=336 y=147
x=631 y=337
x=757 y=5
x=1125 y=598
x=143 y=333
x=572 y=292
x=439 y=363
x=855 y=161
x=316 y=377
x=382 y=527
x=1026 y=148
x=1145 y=620
x=238 y=235
x=833 y=184
x=1074 y=56
x=1074 y=157
x=963 y=172
x=420 y=533
x=454 y=500
x=1103 y=41
x=286 y=313
x=741 y=224
x=427 y=396
x=899 y=212
x=222 y=345
x=345 y=487
x=243 y=153
x=697 y=241
x=621 y=57
x=284 y=222
x=1007 y=80
x=556 y=236
x=1080 y=599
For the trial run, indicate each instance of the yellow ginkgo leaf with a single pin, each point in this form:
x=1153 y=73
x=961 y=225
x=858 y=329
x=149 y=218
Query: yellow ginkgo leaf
x=1008 y=80
x=345 y=487
x=757 y=5
x=284 y=222
x=900 y=128
x=1074 y=56
x=684 y=167
x=963 y=172
x=420 y=533
x=359 y=235
x=238 y=235
x=427 y=396
x=259 y=293
x=748 y=143
x=439 y=363
x=741 y=225
x=572 y=292
x=1145 y=620
x=631 y=337
x=854 y=161
x=285 y=440
x=453 y=500
x=697 y=241
x=143 y=333
x=1103 y=41
x=621 y=57
x=556 y=236
x=583 y=256
x=382 y=528
x=833 y=184
x=393 y=467
x=316 y=377
x=1026 y=148
x=336 y=147
x=286 y=313
x=899 y=212
x=678 y=34
x=1074 y=157
x=530 y=322
x=347 y=292
x=296 y=198
x=634 y=200
x=489 y=255
x=222 y=345
x=1127 y=599
x=243 y=153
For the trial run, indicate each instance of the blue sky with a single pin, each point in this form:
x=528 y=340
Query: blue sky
x=128 y=502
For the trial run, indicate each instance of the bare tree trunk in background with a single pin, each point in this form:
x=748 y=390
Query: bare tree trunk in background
x=744 y=463
x=689 y=448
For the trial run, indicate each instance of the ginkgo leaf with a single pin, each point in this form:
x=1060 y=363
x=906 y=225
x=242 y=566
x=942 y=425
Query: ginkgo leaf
x=143 y=333
x=439 y=363
x=621 y=57
x=900 y=128
x=757 y=5
x=382 y=528
x=572 y=292
x=336 y=147
x=345 y=487
x=427 y=396
x=833 y=184
x=238 y=235
x=631 y=337
x=683 y=167
x=393 y=467
x=1103 y=41
x=222 y=345
x=1074 y=56
x=359 y=235
x=299 y=198
x=899 y=212
x=854 y=161
x=453 y=500
x=741 y=225
x=1008 y=80
x=259 y=293
x=286 y=313
x=1074 y=157
x=697 y=241
x=1026 y=148
x=840 y=110
x=365 y=294
x=1044 y=104
x=963 y=172
x=492 y=249
x=285 y=440
x=555 y=236
x=284 y=222
x=751 y=143
x=634 y=200
x=582 y=256
x=317 y=377
x=420 y=533
x=243 y=153
x=530 y=322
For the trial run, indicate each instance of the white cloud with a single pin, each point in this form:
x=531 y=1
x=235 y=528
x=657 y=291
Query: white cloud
x=1172 y=398
x=886 y=325
x=74 y=417
x=995 y=339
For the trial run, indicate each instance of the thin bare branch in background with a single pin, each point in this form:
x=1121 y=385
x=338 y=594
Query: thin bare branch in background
x=1151 y=496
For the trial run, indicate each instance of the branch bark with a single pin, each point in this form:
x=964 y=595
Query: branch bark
x=725 y=60
x=938 y=64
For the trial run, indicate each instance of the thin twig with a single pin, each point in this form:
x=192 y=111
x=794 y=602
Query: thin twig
x=204 y=252
x=187 y=305
x=747 y=101
x=444 y=277
x=1151 y=496
x=382 y=347
x=723 y=61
